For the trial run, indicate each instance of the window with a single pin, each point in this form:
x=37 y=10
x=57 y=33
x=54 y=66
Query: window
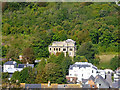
x=56 y=49
x=92 y=71
x=82 y=75
x=59 y=49
x=99 y=84
x=64 y=49
x=50 y=49
x=69 y=53
x=70 y=49
x=71 y=79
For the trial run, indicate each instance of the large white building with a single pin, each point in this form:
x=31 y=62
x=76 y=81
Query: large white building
x=67 y=46
x=83 y=70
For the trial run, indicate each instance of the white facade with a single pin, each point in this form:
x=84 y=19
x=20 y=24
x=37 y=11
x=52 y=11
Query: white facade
x=82 y=70
x=101 y=73
x=117 y=75
x=11 y=67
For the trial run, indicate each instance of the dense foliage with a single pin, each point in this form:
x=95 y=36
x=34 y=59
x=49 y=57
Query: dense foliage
x=115 y=62
x=28 y=29
x=37 y=25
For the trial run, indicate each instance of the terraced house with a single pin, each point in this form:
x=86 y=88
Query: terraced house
x=68 y=46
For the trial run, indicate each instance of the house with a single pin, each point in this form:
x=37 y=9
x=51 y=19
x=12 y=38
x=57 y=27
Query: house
x=117 y=75
x=101 y=73
x=81 y=70
x=116 y=84
x=101 y=82
x=68 y=46
x=11 y=67
x=96 y=82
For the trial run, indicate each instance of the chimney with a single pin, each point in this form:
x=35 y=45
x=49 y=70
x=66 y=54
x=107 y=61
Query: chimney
x=27 y=62
x=14 y=62
x=48 y=83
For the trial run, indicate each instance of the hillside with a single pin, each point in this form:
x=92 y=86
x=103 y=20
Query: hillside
x=36 y=25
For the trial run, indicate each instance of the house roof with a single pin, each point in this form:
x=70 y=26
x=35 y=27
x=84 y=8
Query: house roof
x=84 y=80
x=82 y=65
x=104 y=82
x=10 y=63
x=116 y=84
x=69 y=41
x=21 y=65
x=91 y=78
x=86 y=86
x=31 y=65
x=32 y=86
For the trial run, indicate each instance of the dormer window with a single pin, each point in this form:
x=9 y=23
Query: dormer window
x=64 y=49
x=70 y=49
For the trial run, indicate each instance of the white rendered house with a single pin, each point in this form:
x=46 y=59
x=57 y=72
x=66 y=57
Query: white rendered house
x=11 y=67
x=82 y=70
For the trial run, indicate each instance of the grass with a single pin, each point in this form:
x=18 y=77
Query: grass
x=105 y=60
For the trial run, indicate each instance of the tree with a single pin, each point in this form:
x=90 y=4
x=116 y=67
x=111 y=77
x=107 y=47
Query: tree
x=15 y=76
x=27 y=75
x=28 y=55
x=79 y=58
x=115 y=62
x=5 y=77
x=52 y=73
x=87 y=49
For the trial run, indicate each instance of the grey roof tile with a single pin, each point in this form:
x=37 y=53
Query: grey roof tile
x=32 y=86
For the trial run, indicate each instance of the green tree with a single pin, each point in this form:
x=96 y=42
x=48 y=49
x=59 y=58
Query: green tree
x=87 y=49
x=28 y=55
x=115 y=62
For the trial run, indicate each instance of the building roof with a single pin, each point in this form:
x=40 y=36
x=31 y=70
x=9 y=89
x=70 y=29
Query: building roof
x=103 y=81
x=84 y=80
x=91 y=78
x=82 y=65
x=10 y=63
x=21 y=65
x=86 y=86
x=116 y=84
x=32 y=86
x=30 y=65
x=70 y=41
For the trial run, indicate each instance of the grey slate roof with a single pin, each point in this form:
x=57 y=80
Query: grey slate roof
x=91 y=78
x=9 y=63
x=100 y=80
x=116 y=84
x=31 y=65
x=82 y=66
x=30 y=86
x=84 y=80
x=86 y=86
x=21 y=65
